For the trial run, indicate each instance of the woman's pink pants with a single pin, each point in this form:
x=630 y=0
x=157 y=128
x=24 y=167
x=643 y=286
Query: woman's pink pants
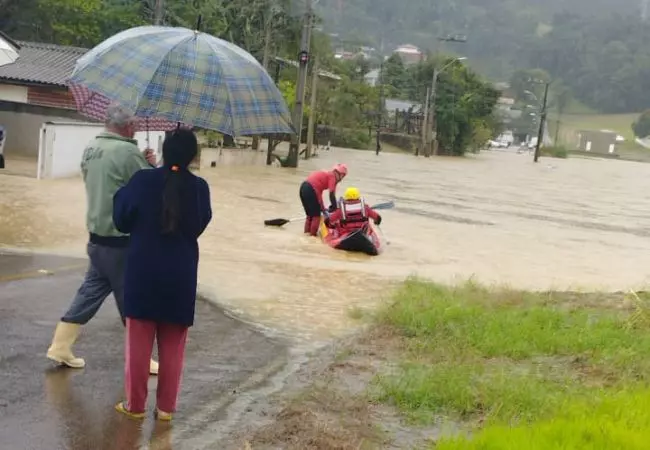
x=171 y=339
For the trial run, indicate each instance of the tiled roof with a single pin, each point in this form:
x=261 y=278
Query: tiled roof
x=42 y=63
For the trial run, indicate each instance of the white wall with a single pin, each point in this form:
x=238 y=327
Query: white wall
x=23 y=131
x=232 y=157
x=62 y=145
x=12 y=93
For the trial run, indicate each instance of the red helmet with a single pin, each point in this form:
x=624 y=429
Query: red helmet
x=341 y=169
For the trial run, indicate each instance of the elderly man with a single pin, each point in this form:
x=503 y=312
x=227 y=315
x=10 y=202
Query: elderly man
x=108 y=163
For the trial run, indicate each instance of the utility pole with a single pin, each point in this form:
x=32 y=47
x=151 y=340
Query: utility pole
x=312 y=109
x=425 y=121
x=159 y=12
x=542 y=122
x=303 y=61
x=430 y=149
x=557 y=130
x=380 y=106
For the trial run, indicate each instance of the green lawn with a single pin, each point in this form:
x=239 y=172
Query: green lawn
x=572 y=123
x=522 y=370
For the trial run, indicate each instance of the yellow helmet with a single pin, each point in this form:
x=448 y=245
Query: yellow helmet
x=352 y=193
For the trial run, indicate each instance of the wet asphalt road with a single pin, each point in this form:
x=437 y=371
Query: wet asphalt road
x=49 y=408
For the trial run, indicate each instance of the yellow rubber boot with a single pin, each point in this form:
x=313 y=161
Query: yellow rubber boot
x=64 y=338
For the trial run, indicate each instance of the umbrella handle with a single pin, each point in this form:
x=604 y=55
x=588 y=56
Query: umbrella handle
x=147 y=124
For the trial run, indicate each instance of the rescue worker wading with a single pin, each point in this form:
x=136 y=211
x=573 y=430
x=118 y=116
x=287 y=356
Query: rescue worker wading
x=311 y=194
x=353 y=213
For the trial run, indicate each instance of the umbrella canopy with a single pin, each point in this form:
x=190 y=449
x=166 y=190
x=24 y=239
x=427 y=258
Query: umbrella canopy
x=94 y=105
x=185 y=76
x=8 y=51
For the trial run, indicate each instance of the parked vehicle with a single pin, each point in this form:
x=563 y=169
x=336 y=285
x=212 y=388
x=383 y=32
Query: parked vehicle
x=497 y=144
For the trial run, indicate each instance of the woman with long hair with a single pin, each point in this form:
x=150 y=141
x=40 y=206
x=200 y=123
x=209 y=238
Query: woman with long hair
x=164 y=210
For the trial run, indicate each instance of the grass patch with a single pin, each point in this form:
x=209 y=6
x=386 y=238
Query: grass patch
x=474 y=368
x=620 y=123
x=555 y=152
x=503 y=357
x=618 y=422
x=572 y=124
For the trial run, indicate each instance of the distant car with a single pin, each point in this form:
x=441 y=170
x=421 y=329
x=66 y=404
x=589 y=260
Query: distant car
x=497 y=144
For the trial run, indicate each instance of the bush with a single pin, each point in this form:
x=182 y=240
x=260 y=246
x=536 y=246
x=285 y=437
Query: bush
x=641 y=127
x=555 y=152
x=357 y=139
x=213 y=138
x=404 y=141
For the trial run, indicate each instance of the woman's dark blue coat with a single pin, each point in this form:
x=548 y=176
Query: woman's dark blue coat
x=161 y=269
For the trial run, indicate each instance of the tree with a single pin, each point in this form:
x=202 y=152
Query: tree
x=641 y=127
x=464 y=102
x=524 y=81
x=395 y=75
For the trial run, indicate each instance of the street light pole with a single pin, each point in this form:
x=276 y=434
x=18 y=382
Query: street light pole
x=431 y=116
x=542 y=122
x=431 y=132
x=380 y=107
x=431 y=148
x=303 y=61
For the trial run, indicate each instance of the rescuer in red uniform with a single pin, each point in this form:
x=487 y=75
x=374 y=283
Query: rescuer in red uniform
x=353 y=213
x=311 y=194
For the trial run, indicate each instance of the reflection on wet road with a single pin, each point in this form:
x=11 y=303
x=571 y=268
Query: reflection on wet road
x=561 y=223
x=43 y=407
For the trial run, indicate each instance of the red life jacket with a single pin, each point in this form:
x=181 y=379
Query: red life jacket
x=353 y=213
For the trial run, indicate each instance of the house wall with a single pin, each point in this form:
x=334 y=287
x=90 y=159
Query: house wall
x=62 y=145
x=50 y=96
x=232 y=157
x=594 y=142
x=23 y=130
x=12 y=93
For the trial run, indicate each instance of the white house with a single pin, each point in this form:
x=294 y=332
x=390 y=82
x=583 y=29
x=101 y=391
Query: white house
x=372 y=77
x=410 y=54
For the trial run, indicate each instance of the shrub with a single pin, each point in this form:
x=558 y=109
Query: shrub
x=404 y=141
x=555 y=152
x=641 y=127
x=357 y=139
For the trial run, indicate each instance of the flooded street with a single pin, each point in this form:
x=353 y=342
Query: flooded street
x=497 y=217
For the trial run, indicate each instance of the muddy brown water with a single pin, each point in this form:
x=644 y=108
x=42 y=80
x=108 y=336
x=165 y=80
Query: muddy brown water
x=497 y=217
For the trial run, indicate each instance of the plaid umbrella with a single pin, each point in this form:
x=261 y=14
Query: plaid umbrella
x=94 y=105
x=184 y=76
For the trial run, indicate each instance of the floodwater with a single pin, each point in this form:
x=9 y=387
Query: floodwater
x=496 y=217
